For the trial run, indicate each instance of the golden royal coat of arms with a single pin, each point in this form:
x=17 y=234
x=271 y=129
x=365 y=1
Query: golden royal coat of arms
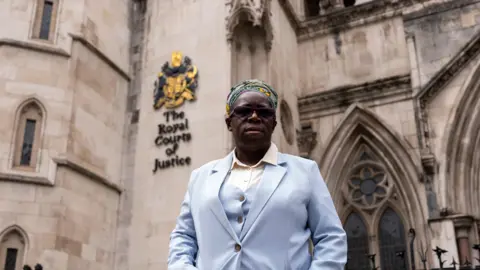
x=176 y=83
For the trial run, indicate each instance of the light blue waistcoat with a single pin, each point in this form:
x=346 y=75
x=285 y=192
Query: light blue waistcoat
x=230 y=197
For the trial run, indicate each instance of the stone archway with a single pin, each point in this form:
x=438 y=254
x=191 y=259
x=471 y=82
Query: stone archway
x=462 y=170
x=362 y=148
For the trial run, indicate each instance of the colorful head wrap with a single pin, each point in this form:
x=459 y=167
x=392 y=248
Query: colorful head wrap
x=251 y=85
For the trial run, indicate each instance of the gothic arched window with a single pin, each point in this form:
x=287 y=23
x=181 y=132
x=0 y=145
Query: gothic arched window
x=368 y=184
x=12 y=250
x=369 y=188
x=392 y=241
x=27 y=142
x=45 y=19
x=357 y=238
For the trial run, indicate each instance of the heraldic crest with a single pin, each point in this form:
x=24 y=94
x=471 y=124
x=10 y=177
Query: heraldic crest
x=176 y=83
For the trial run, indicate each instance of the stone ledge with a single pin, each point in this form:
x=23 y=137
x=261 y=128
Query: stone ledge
x=345 y=18
x=100 y=54
x=457 y=219
x=49 y=49
x=17 y=178
x=89 y=172
x=438 y=8
x=346 y=95
x=463 y=221
x=43 y=48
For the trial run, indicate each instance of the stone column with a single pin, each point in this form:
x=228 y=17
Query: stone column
x=462 y=233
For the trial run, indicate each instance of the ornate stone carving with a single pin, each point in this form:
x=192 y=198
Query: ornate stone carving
x=332 y=18
x=463 y=222
x=346 y=95
x=255 y=11
x=429 y=164
x=326 y=5
x=306 y=140
x=367 y=184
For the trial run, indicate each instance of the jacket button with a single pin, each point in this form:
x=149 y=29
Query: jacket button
x=242 y=198
x=240 y=219
x=237 y=247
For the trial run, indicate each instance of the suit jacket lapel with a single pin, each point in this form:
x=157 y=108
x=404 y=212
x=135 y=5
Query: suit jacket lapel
x=272 y=177
x=218 y=175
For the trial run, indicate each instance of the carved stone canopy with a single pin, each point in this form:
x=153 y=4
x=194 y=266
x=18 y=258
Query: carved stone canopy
x=429 y=164
x=306 y=140
x=257 y=12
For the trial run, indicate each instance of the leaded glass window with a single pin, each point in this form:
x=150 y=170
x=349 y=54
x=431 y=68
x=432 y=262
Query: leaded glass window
x=11 y=259
x=28 y=139
x=46 y=20
x=28 y=136
x=392 y=241
x=357 y=238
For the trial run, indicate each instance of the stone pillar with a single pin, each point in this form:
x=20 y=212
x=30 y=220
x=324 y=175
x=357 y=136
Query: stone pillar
x=442 y=233
x=462 y=233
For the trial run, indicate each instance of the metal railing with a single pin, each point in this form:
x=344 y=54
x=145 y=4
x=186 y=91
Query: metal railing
x=440 y=254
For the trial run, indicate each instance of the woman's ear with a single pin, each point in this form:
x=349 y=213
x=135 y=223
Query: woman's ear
x=228 y=122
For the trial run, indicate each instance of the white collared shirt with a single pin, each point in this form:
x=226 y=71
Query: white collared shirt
x=243 y=176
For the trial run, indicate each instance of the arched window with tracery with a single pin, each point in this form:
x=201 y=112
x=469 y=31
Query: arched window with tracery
x=368 y=184
x=392 y=241
x=12 y=250
x=357 y=238
x=369 y=189
x=27 y=140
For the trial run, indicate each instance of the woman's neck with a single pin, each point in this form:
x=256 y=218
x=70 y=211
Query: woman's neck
x=250 y=156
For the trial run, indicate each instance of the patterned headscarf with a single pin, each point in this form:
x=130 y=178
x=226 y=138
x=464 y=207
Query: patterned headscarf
x=251 y=85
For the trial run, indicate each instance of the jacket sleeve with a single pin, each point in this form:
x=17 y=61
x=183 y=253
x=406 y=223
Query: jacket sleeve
x=328 y=236
x=183 y=239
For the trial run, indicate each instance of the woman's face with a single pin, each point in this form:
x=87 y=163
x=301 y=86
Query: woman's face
x=252 y=121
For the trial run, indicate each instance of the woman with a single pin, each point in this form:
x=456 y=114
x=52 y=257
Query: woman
x=257 y=208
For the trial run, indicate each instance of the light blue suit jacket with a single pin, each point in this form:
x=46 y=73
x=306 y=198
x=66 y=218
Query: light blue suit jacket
x=291 y=206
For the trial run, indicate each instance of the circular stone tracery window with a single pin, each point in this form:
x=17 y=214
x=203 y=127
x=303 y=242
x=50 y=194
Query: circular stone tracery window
x=368 y=185
x=286 y=121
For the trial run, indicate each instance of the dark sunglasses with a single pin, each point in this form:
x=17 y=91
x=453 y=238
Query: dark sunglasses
x=243 y=112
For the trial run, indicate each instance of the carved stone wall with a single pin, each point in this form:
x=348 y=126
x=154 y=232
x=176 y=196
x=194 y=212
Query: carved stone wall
x=256 y=12
x=428 y=105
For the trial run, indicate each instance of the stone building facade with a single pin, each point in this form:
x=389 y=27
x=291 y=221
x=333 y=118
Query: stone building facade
x=383 y=94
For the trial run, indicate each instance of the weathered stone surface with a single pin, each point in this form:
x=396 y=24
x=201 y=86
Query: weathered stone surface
x=389 y=76
x=353 y=56
x=440 y=33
